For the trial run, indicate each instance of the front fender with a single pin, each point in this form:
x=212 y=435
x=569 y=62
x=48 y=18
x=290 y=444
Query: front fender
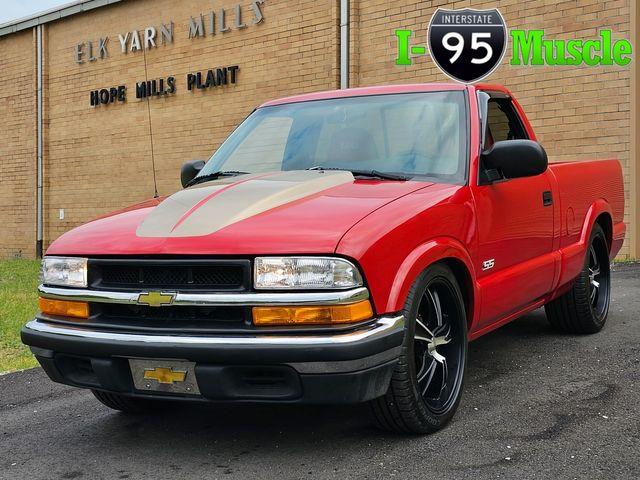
x=428 y=253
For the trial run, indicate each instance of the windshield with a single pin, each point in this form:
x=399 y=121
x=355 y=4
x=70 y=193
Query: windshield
x=414 y=134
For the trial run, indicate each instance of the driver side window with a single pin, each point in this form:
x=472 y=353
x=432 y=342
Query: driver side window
x=503 y=123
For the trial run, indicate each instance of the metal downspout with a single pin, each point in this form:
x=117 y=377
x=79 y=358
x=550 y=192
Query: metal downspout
x=344 y=44
x=39 y=203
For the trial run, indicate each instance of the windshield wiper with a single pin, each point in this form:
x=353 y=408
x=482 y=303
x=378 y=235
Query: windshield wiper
x=214 y=175
x=366 y=173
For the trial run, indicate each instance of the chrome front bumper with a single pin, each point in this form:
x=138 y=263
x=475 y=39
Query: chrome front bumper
x=341 y=367
x=380 y=327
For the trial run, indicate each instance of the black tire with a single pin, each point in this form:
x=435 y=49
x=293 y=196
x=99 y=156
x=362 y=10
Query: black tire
x=584 y=308
x=408 y=406
x=123 y=403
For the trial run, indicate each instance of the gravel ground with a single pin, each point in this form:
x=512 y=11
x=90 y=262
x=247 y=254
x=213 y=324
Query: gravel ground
x=537 y=404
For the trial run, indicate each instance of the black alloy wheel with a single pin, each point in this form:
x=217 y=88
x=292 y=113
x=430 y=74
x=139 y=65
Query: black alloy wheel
x=427 y=383
x=584 y=308
x=599 y=280
x=438 y=346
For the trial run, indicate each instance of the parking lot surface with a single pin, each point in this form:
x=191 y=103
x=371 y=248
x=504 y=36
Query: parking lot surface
x=537 y=404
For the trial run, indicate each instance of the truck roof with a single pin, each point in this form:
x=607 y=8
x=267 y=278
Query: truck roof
x=380 y=90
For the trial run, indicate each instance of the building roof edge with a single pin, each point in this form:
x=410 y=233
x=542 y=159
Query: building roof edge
x=52 y=14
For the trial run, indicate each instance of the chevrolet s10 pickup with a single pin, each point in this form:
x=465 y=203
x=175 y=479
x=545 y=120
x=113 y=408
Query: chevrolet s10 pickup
x=339 y=247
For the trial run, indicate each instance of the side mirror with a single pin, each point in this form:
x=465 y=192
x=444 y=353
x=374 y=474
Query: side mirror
x=189 y=171
x=514 y=159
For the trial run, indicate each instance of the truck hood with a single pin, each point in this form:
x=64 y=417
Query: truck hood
x=274 y=213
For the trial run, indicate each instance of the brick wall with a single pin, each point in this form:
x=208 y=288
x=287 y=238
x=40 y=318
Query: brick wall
x=18 y=145
x=99 y=159
x=577 y=112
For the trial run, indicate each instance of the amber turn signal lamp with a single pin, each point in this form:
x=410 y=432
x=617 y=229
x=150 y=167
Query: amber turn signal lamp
x=321 y=315
x=63 y=308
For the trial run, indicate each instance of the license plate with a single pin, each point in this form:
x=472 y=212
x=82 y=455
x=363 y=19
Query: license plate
x=165 y=376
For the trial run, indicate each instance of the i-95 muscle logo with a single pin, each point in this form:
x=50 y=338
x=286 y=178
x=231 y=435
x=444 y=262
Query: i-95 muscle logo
x=467 y=45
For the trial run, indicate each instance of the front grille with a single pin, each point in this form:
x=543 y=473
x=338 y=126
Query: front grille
x=183 y=319
x=177 y=275
x=157 y=320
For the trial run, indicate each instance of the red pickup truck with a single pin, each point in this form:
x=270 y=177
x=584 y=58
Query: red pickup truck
x=339 y=247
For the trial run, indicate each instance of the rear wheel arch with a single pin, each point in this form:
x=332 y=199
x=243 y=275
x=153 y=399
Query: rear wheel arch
x=573 y=254
x=598 y=213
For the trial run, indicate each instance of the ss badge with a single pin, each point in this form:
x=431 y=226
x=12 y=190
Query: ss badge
x=488 y=264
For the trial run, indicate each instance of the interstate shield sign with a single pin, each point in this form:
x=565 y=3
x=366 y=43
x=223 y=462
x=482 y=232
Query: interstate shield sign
x=467 y=44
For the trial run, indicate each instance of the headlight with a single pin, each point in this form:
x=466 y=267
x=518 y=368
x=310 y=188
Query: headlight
x=65 y=271
x=305 y=273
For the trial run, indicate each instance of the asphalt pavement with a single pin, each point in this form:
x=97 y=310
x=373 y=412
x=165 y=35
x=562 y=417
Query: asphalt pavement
x=537 y=404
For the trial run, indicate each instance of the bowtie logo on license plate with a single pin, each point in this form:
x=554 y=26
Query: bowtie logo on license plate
x=156 y=299
x=166 y=376
x=467 y=44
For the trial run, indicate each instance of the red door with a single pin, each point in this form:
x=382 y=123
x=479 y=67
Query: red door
x=515 y=236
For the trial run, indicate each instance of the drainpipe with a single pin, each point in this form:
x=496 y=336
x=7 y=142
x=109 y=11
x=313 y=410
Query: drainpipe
x=634 y=154
x=344 y=44
x=39 y=210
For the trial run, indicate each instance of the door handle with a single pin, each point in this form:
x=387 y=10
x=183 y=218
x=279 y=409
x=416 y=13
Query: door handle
x=547 y=198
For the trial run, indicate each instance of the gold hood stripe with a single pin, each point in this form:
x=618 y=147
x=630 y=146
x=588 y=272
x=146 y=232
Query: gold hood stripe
x=210 y=196
x=207 y=208
x=160 y=222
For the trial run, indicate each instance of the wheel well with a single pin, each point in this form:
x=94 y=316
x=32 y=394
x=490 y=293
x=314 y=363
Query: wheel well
x=465 y=282
x=605 y=222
